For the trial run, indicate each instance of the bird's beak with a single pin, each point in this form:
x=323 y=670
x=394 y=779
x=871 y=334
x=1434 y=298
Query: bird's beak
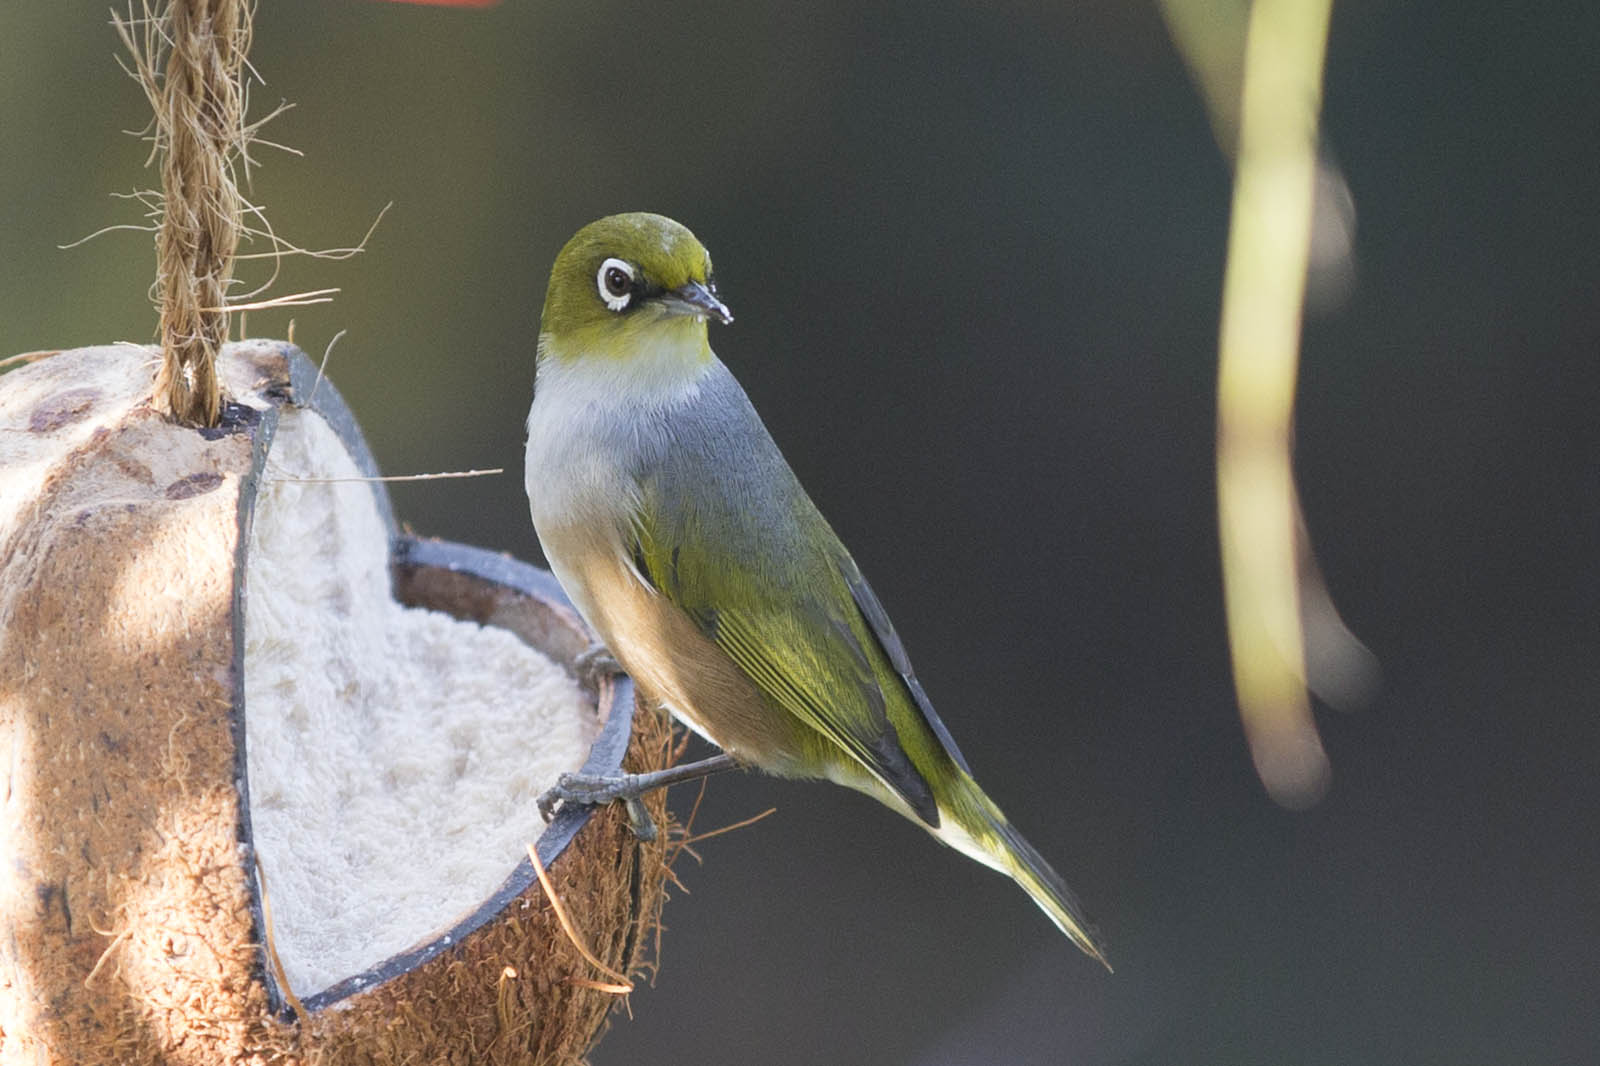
x=694 y=298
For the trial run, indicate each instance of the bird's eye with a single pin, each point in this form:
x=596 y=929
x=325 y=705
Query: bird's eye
x=615 y=281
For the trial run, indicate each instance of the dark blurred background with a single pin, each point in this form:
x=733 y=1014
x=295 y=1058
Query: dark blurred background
x=976 y=252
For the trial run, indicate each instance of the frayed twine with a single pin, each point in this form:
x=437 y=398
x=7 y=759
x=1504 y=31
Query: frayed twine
x=199 y=131
x=191 y=61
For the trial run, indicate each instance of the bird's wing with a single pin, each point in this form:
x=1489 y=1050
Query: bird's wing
x=883 y=631
x=797 y=631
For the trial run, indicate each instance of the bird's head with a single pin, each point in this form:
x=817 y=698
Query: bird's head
x=626 y=286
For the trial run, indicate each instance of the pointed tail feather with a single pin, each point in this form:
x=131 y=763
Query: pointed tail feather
x=1029 y=869
x=974 y=825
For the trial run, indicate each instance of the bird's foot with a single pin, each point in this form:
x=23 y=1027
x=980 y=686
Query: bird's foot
x=594 y=664
x=592 y=790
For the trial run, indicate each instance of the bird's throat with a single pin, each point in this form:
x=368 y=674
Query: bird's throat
x=653 y=341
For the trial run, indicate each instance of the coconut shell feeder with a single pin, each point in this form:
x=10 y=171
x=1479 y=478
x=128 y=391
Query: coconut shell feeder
x=269 y=765
x=141 y=903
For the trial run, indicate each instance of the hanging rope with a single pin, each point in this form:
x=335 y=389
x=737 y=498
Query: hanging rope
x=199 y=131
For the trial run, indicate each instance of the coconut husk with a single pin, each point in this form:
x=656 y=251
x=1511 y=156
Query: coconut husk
x=131 y=920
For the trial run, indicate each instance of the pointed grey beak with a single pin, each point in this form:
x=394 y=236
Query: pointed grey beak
x=695 y=299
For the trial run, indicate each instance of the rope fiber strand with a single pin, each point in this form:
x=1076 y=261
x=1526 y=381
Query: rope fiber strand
x=199 y=126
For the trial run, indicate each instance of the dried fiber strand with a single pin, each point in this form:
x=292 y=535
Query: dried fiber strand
x=199 y=130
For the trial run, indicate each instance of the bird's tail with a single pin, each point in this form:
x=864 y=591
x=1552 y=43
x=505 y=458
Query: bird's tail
x=972 y=823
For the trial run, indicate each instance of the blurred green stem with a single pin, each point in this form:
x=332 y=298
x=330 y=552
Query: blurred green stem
x=1210 y=35
x=1263 y=294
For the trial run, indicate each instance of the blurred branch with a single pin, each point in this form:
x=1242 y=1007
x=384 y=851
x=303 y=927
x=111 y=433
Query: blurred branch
x=1210 y=35
x=1263 y=300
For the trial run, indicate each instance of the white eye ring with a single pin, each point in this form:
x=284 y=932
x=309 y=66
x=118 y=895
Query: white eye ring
x=614 y=279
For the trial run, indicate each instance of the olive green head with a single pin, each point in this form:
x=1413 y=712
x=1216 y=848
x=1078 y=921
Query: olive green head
x=625 y=281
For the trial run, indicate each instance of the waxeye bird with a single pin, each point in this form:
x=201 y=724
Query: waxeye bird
x=673 y=522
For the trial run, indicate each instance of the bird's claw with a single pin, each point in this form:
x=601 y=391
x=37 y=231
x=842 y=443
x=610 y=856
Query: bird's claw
x=594 y=664
x=592 y=790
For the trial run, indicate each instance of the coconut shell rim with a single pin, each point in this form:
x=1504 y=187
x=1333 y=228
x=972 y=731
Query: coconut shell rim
x=605 y=756
x=308 y=390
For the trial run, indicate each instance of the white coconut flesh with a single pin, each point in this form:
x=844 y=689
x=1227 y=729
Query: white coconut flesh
x=396 y=754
